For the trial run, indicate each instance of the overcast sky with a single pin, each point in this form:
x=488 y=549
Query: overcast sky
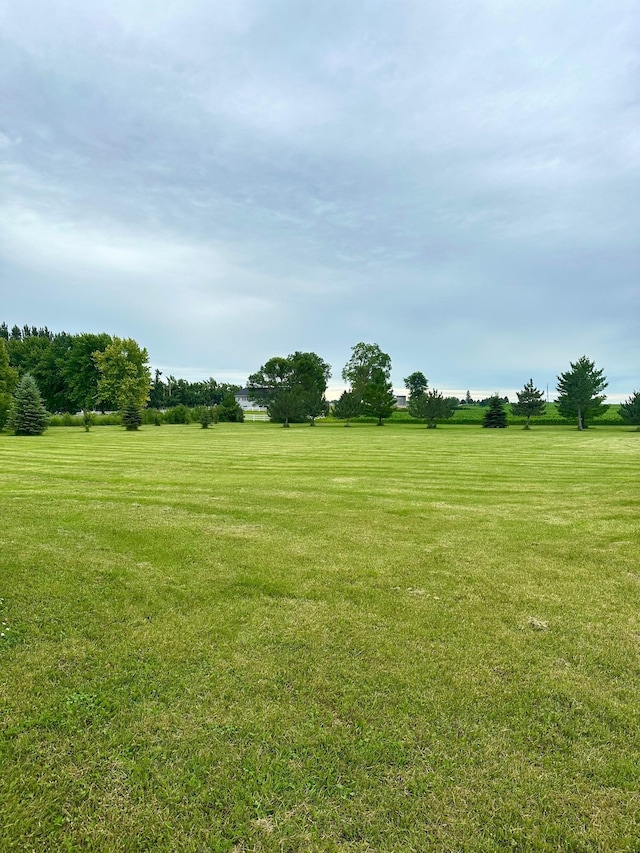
x=228 y=180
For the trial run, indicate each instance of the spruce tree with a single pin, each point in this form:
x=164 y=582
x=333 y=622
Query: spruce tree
x=28 y=416
x=630 y=410
x=529 y=403
x=495 y=417
x=579 y=392
x=131 y=414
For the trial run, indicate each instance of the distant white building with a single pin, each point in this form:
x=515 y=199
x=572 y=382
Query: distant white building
x=242 y=399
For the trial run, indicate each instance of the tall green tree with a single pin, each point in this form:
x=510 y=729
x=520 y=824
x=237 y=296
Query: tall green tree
x=125 y=375
x=8 y=382
x=630 y=410
x=580 y=392
x=365 y=359
x=368 y=372
x=530 y=402
x=495 y=417
x=416 y=384
x=312 y=374
x=378 y=398
x=28 y=414
x=347 y=407
x=80 y=369
x=275 y=386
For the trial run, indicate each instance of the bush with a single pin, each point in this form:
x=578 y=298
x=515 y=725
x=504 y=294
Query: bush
x=177 y=415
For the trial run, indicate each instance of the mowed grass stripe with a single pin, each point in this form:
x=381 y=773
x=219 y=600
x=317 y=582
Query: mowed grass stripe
x=250 y=638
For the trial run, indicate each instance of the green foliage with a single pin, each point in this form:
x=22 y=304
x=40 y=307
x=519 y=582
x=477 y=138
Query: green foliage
x=431 y=406
x=291 y=388
x=368 y=372
x=366 y=360
x=8 y=382
x=630 y=410
x=132 y=414
x=28 y=414
x=177 y=415
x=530 y=403
x=579 y=392
x=417 y=384
x=229 y=410
x=347 y=407
x=124 y=374
x=207 y=416
x=495 y=417
x=378 y=398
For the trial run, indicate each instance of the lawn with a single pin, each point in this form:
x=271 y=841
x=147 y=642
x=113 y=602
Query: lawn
x=248 y=638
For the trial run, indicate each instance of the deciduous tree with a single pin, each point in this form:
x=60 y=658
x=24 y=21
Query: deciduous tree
x=124 y=374
x=8 y=382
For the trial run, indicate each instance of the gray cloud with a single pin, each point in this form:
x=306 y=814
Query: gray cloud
x=457 y=181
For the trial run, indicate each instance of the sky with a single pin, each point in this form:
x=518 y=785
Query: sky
x=457 y=181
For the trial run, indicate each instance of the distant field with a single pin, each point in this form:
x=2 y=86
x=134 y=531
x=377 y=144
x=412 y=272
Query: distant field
x=248 y=638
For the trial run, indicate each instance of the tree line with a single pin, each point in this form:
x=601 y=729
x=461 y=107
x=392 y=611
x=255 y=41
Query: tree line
x=83 y=372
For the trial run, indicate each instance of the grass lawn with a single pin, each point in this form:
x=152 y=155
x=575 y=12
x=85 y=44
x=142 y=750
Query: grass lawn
x=248 y=638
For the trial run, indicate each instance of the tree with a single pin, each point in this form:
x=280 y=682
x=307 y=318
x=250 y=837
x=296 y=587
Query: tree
x=365 y=358
x=368 y=371
x=230 y=410
x=495 y=417
x=417 y=384
x=630 y=410
x=131 y=414
x=312 y=374
x=8 y=382
x=378 y=398
x=579 y=392
x=530 y=402
x=28 y=415
x=80 y=369
x=432 y=406
x=347 y=407
x=124 y=374
x=275 y=387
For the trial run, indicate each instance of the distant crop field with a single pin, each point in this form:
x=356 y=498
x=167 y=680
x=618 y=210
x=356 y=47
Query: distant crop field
x=249 y=638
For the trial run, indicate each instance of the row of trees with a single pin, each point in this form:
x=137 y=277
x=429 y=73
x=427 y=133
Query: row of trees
x=69 y=368
x=293 y=389
x=86 y=371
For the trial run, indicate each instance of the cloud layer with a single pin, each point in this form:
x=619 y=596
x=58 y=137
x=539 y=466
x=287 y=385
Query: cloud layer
x=456 y=181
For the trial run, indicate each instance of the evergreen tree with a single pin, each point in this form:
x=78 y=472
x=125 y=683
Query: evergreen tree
x=378 y=398
x=347 y=407
x=435 y=407
x=132 y=413
x=530 y=402
x=28 y=416
x=495 y=417
x=579 y=392
x=630 y=410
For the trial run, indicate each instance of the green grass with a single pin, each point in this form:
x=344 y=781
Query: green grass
x=255 y=639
